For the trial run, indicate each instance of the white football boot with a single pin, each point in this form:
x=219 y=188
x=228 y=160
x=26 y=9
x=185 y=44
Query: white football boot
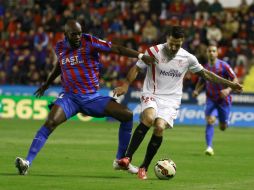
x=22 y=165
x=209 y=151
x=131 y=169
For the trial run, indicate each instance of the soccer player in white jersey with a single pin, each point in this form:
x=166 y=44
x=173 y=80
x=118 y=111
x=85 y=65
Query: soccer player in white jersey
x=162 y=92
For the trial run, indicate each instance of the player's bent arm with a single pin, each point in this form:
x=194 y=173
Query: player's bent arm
x=132 y=53
x=207 y=75
x=131 y=76
x=198 y=88
x=234 y=80
x=124 y=51
x=54 y=74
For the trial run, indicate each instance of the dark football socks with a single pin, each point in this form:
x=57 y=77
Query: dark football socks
x=209 y=132
x=152 y=148
x=124 y=136
x=38 y=142
x=136 y=139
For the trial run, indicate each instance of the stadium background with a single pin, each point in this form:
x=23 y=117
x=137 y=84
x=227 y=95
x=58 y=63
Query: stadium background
x=80 y=154
x=29 y=30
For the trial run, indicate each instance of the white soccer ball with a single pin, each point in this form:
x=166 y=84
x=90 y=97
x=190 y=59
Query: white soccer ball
x=165 y=169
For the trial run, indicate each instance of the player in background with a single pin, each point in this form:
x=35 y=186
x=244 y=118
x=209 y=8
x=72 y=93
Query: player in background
x=78 y=64
x=218 y=99
x=162 y=92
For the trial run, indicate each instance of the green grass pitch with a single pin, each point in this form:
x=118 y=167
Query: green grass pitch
x=79 y=156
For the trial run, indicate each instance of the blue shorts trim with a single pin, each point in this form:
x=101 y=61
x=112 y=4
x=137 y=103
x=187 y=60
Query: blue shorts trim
x=219 y=110
x=88 y=104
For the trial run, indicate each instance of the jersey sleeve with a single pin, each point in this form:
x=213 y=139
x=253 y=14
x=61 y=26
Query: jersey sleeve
x=141 y=64
x=100 y=45
x=229 y=71
x=194 y=65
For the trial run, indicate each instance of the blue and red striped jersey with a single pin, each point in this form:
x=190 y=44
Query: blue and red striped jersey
x=80 y=67
x=222 y=69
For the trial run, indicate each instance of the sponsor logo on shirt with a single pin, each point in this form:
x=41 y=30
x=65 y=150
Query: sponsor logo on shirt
x=171 y=73
x=73 y=60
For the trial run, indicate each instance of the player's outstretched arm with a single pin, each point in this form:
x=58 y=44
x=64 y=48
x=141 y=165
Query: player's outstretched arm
x=207 y=75
x=131 y=76
x=132 y=53
x=55 y=73
x=225 y=92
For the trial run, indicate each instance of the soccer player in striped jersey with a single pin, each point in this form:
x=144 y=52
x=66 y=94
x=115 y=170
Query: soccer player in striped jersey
x=78 y=64
x=218 y=99
x=162 y=92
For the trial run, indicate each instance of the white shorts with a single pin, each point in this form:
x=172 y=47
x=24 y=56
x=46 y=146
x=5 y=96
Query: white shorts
x=166 y=109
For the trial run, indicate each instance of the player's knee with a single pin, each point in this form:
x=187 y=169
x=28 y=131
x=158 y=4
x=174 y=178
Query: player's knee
x=158 y=130
x=124 y=116
x=51 y=124
x=147 y=120
x=223 y=126
x=128 y=116
x=210 y=120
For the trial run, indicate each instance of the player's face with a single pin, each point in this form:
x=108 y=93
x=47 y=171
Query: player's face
x=74 y=35
x=212 y=53
x=174 y=44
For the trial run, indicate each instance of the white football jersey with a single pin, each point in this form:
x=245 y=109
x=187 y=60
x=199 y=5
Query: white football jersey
x=165 y=79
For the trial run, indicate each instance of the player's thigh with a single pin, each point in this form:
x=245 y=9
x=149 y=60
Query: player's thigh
x=149 y=109
x=168 y=113
x=63 y=108
x=118 y=111
x=67 y=103
x=56 y=117
x=210 y=108
x=223 y=115
x=101 y=106
x=148 y=116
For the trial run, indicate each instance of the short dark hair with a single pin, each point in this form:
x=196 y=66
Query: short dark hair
x=176 y=32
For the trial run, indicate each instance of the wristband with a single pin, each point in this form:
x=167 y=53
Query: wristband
x=140 y=55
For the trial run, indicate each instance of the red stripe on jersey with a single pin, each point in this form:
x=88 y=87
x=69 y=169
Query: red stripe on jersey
x=150 y=52
x=73 y=76
x=89 y=69
x=228 y=98
x=214 y=88
x=81 y=73
x=153 y=68
x=65 y=78
x=153 y=71
x=95 y=72
x=101 y=42
x=156 y=48
x=230 y=72
x=220 y=73
x=210 y=87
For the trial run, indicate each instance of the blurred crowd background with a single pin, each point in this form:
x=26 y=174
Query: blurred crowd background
x=30 y=28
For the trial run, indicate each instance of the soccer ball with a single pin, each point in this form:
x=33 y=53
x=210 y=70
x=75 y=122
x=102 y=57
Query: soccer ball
x=165 y=169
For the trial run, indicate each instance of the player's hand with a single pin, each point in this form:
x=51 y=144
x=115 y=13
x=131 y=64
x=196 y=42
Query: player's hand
x=236 y=87
x=118 y=91
x=195 y=93
x=40 y=91
x=224 y=93
x=149 y=60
